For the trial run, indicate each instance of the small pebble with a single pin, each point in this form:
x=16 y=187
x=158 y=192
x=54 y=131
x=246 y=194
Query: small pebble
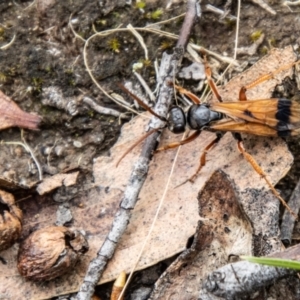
x=77 y=144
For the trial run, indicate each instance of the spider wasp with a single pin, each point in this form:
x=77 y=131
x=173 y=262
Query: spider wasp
x=274 y=117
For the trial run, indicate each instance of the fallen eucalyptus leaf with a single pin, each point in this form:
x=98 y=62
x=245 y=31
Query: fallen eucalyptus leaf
x=11 y=115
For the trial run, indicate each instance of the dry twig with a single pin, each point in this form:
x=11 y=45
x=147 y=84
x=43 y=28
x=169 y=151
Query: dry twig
x=265 y=6
x=229 y=281
x=140 y=169
x=103 y=110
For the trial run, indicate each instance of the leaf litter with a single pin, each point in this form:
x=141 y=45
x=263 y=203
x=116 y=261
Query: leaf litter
x=35 y=56
x=223 y=230
x=94 y=209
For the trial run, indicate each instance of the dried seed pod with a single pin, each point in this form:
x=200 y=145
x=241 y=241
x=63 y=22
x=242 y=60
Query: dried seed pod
x=50 y=252
x=12 y=115
x=10 y=220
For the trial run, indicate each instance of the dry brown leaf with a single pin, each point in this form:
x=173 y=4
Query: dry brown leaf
x=224 y=230
x=178 y=217
x=55 y=181
x=292 y=253
x=12 y=116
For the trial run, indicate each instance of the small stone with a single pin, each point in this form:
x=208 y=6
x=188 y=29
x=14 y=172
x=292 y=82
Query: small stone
x=63 y=215
x=195 y=71
x=59 y=150
x=77 y=144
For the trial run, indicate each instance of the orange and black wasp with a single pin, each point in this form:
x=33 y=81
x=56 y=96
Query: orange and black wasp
x=274 y=117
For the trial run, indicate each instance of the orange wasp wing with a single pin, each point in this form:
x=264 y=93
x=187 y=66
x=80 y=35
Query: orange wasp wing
x=244 y=127
x=266 y=117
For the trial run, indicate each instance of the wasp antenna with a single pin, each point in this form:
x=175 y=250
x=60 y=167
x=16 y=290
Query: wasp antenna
x=141 y=103
x=136 y=143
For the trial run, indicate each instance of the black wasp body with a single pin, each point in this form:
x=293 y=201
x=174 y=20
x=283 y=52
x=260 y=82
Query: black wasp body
x=197 y=117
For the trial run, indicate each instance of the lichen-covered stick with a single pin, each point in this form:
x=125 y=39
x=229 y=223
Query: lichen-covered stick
x=235 y=280
x=139 y=172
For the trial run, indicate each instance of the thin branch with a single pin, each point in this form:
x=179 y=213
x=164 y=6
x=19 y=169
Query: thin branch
x=265 y=6
x=237 y=29
x=103 y=110
x=229 y=281
x=219 y=11
x=145 y=86
x=140 y=169
x=140 y=40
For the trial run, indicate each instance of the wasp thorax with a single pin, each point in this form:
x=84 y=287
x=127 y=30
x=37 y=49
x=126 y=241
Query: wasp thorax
x=199 y=116
x=50 y=252
x=176 y=120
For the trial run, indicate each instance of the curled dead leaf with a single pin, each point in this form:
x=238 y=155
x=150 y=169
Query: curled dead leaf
x=10 y=221
x=50 y=252
x=11 y=115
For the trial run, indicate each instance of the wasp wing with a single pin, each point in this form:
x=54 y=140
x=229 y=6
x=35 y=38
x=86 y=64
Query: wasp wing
x=244 y=127
x=282 y=115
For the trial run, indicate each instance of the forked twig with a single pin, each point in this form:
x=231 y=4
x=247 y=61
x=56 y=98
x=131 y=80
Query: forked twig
x=140 y=169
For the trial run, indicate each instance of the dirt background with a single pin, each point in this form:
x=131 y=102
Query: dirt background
x=45 y=57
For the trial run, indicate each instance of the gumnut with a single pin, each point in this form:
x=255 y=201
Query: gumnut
x=50 y=252
x=10 y=220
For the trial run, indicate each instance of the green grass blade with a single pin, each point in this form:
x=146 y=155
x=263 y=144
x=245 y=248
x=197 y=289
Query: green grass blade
x=274 y=262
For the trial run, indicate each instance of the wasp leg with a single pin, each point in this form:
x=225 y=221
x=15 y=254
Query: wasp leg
x=183 y=142
x=260 y=172
x=243 y=90
x=203 y=157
